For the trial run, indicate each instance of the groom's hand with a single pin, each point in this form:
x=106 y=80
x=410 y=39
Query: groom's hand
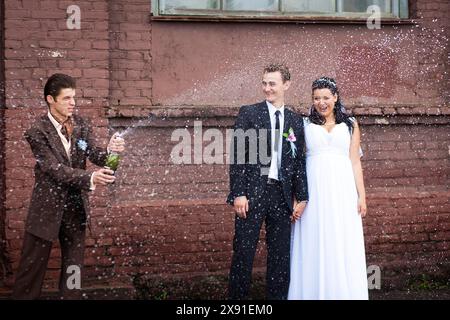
x=116 y=143
x=299 y=207
x=103 y=177
x=241 y=206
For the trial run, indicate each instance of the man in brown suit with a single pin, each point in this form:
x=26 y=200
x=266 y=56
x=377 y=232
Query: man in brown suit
x=61 y=142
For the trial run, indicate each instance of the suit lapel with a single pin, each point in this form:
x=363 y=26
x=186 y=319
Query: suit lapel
x=54 y=139
x=265 y=118
x=76 y=136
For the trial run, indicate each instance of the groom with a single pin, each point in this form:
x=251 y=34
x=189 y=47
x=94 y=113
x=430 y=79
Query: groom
x=268 y=186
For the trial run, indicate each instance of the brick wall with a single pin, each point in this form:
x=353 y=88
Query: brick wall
x=4 y=264
x=432 y=82
x=406 y=170
x=130 y=50
x=161 y=219
x=406 y=174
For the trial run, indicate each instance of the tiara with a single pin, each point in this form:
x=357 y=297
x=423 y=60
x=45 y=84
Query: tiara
x=327 y=81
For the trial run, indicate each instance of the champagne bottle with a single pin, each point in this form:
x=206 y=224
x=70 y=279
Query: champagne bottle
x=112 y=161
x=113 y=158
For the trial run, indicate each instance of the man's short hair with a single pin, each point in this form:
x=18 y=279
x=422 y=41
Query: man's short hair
x=280 y=67
x=57 y=82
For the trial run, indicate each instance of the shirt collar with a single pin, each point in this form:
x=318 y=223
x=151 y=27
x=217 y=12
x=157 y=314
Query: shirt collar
x=272 y=109
x=55 y=123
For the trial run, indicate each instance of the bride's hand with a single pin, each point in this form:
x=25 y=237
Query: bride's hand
x=362 y=207
x=299 y=207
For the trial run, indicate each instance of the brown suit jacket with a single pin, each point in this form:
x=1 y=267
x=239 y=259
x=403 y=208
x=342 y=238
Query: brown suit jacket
x=55 y=174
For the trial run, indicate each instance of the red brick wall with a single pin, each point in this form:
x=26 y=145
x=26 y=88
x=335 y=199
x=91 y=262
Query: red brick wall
x=432 y=82
x=174 y=211
x=130 y=54
x=406 y=170
x=4 y=264
x=162 y=219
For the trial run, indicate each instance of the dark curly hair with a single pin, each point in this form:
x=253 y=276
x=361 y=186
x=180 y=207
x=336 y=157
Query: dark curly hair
x=339 y=109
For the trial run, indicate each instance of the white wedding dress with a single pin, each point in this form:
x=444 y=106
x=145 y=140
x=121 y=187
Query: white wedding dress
x=327 y=242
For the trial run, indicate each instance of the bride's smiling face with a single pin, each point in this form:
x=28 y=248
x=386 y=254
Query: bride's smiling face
x=324 y=101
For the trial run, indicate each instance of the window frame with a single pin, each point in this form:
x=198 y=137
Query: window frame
x=396 y=16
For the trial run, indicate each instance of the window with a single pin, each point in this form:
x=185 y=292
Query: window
x=279 y=8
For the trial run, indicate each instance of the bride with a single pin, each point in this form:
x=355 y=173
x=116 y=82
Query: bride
x=327 y=242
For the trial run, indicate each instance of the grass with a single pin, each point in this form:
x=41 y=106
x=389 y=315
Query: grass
x=422 y=287
x=195 y=288
x=426 y=283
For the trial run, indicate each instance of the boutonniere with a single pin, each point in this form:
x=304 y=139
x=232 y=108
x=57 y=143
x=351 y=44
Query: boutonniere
x=82 y=144
x=291 y=138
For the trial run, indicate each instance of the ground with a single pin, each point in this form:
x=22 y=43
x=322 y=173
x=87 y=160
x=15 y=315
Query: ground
x=215 y=288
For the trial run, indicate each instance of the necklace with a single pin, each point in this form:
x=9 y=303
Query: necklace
x=329 y=124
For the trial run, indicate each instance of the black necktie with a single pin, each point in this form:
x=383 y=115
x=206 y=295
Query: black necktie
x=277 y=131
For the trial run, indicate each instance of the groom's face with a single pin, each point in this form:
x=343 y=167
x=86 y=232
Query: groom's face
x=274 y=88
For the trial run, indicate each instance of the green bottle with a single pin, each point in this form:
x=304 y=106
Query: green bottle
x=112 y=161
x=113 y=158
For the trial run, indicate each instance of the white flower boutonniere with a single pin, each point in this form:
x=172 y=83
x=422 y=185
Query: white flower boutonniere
x=291 y=138
x=82 y=144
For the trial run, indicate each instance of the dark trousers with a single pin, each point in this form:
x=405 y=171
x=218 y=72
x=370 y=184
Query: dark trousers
x=36 y=252
x=274 y=211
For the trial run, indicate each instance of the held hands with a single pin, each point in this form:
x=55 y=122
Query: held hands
x=299 y=207
x=116 y=143
x=103 y=176
x=362 y=207
x=241 y=206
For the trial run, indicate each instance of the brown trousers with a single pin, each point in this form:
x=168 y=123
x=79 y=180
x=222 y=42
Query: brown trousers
x=36 y=252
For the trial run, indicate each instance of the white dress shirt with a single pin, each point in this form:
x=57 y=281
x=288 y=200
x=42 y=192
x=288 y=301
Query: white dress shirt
x=58 y=127
x=275 y=162
x=66 y=144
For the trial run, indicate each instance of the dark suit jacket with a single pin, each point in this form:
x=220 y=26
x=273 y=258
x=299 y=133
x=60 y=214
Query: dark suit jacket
x=56 y=175
x=246 y=179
